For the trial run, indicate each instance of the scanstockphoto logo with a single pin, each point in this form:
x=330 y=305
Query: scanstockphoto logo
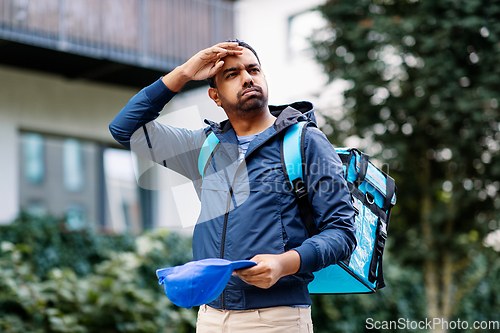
x=167 y=154
x=430 y=324
x=329 y=175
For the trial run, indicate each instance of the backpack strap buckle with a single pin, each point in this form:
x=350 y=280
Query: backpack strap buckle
x=299 y=188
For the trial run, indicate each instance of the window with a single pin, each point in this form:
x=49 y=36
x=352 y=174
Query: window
x=76 y=218
x=33 y=159
x=123 y=195
x=84 y=182
x=36 y=208
x=73 y=165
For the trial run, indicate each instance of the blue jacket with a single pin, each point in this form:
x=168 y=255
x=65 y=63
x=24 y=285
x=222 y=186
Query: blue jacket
x=248 y=208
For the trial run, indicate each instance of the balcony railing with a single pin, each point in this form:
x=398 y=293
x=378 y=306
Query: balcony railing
x=157 y=34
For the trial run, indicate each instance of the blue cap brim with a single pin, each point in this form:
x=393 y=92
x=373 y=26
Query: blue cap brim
x=239 y=264
x=198 y=282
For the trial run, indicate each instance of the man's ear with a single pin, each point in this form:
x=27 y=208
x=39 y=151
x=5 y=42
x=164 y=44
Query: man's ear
x=214 y=95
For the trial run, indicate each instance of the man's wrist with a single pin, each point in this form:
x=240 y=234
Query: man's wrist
x=290 y=263
x=176 y=79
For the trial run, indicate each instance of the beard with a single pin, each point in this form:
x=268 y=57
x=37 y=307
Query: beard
x=247 y=104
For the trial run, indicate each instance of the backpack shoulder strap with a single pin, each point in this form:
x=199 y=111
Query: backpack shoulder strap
x=206 y=152
x=293 y=161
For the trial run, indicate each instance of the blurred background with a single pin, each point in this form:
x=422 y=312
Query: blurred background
x=412 y=83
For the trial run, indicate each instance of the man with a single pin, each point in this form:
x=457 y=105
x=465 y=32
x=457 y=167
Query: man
x=248 y=210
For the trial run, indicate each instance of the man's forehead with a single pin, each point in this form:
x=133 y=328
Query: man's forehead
x=243 y=60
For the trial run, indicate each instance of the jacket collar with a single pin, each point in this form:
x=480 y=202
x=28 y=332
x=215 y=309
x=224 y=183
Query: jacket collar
x=286 y=115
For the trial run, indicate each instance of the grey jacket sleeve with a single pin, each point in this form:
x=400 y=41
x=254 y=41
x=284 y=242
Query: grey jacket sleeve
x=135 y=128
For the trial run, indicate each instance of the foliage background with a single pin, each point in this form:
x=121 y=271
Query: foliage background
x=52 y=280
x=423 y=98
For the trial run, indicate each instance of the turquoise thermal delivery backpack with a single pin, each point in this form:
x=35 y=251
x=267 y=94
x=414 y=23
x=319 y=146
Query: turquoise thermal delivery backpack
x=373 y=194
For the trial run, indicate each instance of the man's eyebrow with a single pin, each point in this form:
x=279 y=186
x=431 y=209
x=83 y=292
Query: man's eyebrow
x=233 y=69
x=227 y=70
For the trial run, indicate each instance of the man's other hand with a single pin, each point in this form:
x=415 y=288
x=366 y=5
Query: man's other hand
x=270 y=268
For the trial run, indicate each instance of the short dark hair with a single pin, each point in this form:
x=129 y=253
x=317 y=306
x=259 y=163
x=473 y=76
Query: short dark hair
x=211 y=80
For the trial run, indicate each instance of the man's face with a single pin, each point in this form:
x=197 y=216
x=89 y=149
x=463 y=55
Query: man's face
x=241 y=84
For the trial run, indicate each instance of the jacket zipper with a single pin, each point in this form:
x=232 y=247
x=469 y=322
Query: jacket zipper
x=226 y=215
x=223 y=241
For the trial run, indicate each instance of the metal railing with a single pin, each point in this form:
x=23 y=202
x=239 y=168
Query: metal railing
x=157 y=34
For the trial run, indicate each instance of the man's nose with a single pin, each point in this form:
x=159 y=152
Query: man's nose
x=247 y=79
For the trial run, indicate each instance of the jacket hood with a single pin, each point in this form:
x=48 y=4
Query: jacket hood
x=290 y=114
x=286 y=115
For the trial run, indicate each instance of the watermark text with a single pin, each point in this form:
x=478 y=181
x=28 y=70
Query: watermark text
x=430 y=324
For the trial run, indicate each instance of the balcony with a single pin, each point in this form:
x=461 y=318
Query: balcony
x=125 y=42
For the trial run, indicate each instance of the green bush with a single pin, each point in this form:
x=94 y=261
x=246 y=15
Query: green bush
x=52 y=245
x=117 y=291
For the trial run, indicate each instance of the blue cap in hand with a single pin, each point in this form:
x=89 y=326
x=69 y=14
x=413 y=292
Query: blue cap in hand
x=198 y=282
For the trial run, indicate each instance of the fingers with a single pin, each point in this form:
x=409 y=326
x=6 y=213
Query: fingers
x=216 y=53
x=217 y=67
x=263 y=275
x=255 y=273
x=235 y=52
x=228 y=48
x=255 y=270
x=229 y=45
x=261 y=280
x=222 y=52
